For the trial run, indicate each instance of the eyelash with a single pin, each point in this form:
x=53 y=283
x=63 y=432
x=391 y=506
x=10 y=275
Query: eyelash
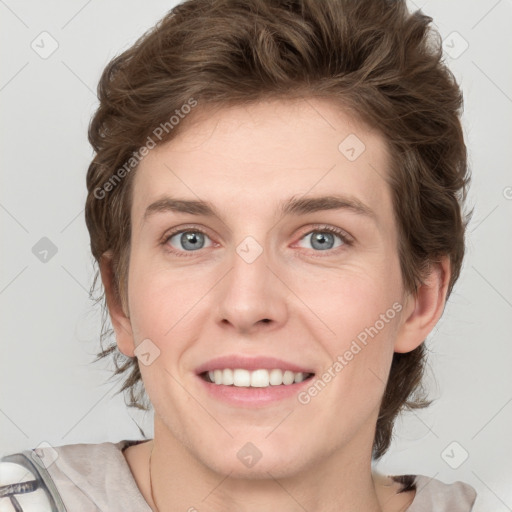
x=345 y=238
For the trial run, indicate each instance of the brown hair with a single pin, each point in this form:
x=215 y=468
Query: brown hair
x=373 y=58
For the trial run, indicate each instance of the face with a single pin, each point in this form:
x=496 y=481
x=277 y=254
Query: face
x=268 y=271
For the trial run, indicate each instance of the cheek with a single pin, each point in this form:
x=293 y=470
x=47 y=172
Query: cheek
x=349 y=300
x=360 y=312
x=161 y=300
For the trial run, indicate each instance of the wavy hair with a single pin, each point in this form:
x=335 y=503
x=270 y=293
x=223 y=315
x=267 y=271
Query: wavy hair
x=374 y=59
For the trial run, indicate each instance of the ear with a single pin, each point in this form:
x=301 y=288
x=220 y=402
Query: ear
x=423 y=309
x=120 y=321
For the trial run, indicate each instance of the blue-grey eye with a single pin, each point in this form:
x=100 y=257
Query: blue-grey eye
x=189 y=240
x=323 y=240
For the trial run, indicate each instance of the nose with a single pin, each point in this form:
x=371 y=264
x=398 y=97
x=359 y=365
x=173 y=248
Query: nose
x=252 y=296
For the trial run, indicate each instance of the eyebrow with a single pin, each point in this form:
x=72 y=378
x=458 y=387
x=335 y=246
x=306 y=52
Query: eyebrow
x=292 y=206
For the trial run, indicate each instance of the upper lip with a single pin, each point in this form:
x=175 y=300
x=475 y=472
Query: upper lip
x=250 y=363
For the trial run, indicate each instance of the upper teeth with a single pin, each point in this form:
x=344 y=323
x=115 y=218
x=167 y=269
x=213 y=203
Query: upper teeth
x=256 y=378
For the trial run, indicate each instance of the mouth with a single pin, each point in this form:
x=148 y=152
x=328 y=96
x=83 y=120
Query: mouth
x=260 y=378
x=242 y=381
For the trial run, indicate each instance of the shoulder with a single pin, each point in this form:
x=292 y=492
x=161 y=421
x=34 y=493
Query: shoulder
x=69 y=477
x=432 y=494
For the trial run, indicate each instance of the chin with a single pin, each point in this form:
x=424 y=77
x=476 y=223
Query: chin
x=250 y=461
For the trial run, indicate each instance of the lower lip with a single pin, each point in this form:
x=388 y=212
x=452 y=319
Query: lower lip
x=253 y=397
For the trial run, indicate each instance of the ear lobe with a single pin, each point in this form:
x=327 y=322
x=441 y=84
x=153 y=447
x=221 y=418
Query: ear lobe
x=424 y=309
x=120 y=321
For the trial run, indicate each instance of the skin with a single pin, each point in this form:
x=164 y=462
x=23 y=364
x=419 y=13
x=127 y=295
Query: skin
x=246 y=161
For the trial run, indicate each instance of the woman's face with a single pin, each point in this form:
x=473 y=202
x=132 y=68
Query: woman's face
x=273 y=272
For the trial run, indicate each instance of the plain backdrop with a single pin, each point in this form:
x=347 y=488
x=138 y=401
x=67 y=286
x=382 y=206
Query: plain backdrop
x=50 y=389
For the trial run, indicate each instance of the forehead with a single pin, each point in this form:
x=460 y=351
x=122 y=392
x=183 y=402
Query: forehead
x=252 y=157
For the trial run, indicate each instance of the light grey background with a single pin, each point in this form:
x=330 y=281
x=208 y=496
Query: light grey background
x=50 y=390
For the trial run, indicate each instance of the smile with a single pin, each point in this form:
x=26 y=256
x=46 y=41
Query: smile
x=251 y=381
x=260 y=378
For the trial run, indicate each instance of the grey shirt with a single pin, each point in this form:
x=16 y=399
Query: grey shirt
x=96 y=477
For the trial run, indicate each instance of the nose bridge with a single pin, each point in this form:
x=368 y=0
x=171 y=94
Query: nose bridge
x=251 y=292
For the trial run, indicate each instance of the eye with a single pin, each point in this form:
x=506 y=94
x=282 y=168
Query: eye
x=187 y=240
x=324 y=238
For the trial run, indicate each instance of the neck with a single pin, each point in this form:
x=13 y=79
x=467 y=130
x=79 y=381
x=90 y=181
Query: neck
x=341 y=481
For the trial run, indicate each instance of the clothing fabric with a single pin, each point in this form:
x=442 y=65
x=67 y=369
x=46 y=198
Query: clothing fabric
x=97 y=478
